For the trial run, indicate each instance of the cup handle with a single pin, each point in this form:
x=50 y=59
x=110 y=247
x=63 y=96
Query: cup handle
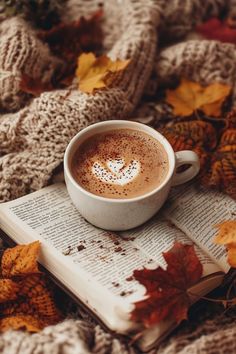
x=186 y=157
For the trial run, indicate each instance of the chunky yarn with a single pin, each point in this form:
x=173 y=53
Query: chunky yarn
x=33 y=140
x=34 y=132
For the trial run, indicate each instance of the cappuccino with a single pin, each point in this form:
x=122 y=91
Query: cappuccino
x=120 y=164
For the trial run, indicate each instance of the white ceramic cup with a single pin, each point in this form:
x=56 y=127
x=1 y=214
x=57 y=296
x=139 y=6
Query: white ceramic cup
x=124 y=214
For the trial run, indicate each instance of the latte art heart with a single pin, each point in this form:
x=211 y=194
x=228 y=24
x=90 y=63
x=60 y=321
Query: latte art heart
x=120 y=164
x=115 y=171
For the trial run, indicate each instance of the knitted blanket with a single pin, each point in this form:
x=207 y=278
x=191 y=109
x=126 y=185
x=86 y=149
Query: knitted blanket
x=34 y=133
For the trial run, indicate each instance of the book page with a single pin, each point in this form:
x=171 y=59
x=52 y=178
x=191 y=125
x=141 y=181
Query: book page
x=158 y=236
x=50 y=215
x=107 y=258
x=196 y=211
x=110 y=258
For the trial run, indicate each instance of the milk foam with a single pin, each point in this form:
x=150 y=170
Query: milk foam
x=120 y=164
x=115 y=171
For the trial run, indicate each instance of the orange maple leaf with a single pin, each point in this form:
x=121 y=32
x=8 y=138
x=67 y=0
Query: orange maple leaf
x=96 y=73
x=21 y=322
x=39 y=297
x=20 y=260
x=9 y=290
x=195 y=135
x=221 y=172
x=215 y=147
x=227 y=236
x=26 y=302
x=190 y=96
x=226 y=232
x=167 y=290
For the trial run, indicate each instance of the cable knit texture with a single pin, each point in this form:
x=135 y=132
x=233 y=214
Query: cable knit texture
x=35 y=132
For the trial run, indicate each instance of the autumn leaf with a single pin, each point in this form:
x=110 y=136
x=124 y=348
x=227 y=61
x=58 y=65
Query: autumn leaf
x=195 y=135
x=68 y=40
x=20 y=260
x=96 y=73
x=21 y=322
x=9 y=290
x=231 y=248
x=227 y=236
x=35 y=298
x=226 y=232
x=215 y=144
x=218 y=30
x=190 y=96
x=167 y=290
x=40 y=297
x=26 y=301
x=221 y=171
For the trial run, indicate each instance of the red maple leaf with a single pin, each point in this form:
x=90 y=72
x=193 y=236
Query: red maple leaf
x=167 y=290
x=218 y=30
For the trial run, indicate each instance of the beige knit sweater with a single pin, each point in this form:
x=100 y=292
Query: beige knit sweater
x=35 y=132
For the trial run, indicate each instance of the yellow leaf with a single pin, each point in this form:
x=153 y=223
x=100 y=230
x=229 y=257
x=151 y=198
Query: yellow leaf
x=227 y=236
x=190 y=96
x=20 y=260
x=226 y=233
x=232 y=255
x=95 y=73
x=9 y=290
x=21 y=322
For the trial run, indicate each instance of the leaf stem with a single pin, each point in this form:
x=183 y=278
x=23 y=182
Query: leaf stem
x=196 y=114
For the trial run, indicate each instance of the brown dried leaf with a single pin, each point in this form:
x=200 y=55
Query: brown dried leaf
x=20 y=260
x=39 y=296
x=9 y=290
x=221 y=173
x=69 y=40
x=195 y=135
x=19 y=306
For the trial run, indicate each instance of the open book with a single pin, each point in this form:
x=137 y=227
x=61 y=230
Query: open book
x=95 y=265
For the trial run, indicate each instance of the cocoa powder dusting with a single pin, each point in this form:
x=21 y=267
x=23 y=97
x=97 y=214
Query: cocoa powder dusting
x=81 y=248
x=141 y=161
x=118 y=249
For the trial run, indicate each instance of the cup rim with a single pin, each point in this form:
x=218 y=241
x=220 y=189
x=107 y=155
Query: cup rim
x=115 y=124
